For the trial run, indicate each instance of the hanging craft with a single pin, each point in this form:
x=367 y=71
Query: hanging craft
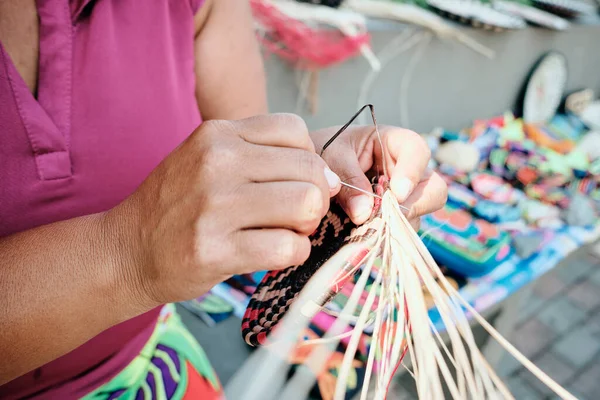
x=284 y=30
x=542 y=94
x=477 y=14
x=328 y=3
x=531 y=14
x=416 y=15
x=565 y=8
x=393 y=277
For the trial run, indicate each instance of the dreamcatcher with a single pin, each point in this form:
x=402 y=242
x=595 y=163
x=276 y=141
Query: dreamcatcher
x=393 y=277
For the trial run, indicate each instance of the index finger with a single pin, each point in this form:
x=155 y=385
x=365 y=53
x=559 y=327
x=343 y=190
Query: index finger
x=407 y=156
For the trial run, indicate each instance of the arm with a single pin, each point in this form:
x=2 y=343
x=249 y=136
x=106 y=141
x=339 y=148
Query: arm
x=229 y=69
x=63 y=283
x=60 y=285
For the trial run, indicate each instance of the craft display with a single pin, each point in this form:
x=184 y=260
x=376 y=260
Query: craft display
x=477 y=14
x=383 y=317
x=532 y=15
x=470 y=237
x=566 y=8
x=544 y=88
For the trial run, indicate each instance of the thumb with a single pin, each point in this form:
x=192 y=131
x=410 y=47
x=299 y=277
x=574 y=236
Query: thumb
x=357 y=205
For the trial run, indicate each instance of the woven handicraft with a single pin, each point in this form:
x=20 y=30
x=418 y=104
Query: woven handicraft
x=278 y=289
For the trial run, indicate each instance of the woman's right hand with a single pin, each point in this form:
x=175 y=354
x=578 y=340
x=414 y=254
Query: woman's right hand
x=235 y=197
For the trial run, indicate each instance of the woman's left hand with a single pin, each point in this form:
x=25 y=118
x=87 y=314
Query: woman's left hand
x=357 y=151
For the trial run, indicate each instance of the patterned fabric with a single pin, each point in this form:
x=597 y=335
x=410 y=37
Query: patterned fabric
x=327 y=378
x=462 y=197
x=494 y=188
x=548 y=138
x=172 y=366
x=464 y=244
x=514 y=273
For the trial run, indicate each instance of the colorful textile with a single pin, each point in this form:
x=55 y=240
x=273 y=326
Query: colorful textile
x=171 y=366
x=494 y=188
x=548 y=138
x=464 y=244
x=498 y=160
x=455 y=175
x=496 y=212
x=210 y=308
x=486 y=141
x=551 y=195
x=327 y=378
x=584 y=186
x=537 y=213
x=514 y=273
x=567 y=126
x=461 y=196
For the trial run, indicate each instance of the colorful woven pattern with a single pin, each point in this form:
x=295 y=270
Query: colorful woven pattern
x=278 y=289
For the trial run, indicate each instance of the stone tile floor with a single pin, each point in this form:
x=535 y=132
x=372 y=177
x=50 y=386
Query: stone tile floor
x=559 y=330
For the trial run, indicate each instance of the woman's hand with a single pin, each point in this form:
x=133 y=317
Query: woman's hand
x=357 y=151
x=236 y=197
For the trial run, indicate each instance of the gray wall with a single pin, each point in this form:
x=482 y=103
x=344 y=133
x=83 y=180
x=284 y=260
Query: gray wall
x=451 y=85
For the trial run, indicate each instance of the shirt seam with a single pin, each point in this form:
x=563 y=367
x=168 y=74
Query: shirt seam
x=34 y=146
x=69 y=99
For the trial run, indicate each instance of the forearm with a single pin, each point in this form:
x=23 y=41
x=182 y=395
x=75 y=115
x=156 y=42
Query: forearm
x=230 y=73
x=60 y=285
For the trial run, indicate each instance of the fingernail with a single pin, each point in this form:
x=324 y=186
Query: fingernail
x=402 y=188
x=332 y=179
x=361 y=207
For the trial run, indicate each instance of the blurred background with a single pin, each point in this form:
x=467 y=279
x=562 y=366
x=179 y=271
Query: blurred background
x=506 y=93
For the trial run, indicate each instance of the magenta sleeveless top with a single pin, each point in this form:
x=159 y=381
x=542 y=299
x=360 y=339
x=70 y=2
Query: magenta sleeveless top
x=116 y=94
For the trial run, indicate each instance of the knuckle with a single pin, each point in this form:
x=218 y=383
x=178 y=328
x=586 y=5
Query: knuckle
x=295 y=128
x=219 y=156
x=312 y=166
x=283 y=254
x=292 y=121
x=311 y=203
x=205 y=253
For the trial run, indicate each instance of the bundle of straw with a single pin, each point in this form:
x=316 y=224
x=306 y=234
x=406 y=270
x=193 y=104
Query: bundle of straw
x=387 y=252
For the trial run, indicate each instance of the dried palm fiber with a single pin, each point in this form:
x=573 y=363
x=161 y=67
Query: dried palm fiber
x=389 y=252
